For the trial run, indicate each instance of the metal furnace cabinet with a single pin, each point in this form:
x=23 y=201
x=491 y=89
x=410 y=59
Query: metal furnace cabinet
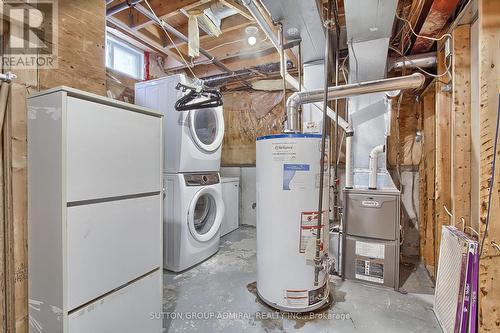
x=94 y=214
x=371 y=238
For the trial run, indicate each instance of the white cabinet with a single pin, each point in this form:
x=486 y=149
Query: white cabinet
x=110 y=152
x=129 y=232
x=231 y=198
x=94 y=214
x=133 y=308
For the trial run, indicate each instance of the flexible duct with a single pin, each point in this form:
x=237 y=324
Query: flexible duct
x=374 y=154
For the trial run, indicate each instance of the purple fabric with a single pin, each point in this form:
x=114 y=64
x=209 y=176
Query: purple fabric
x=467 y=287
x=461 y=296
x=474 y=291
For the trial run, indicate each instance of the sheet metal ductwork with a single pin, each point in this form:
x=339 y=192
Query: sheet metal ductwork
x=369 y=28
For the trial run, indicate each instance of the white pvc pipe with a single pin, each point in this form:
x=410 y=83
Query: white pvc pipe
x=374 y=154
x=348 y=160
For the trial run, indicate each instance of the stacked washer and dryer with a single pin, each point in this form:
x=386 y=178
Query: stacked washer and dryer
x=193 y=205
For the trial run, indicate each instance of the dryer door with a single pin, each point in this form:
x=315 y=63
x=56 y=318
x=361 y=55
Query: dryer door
x=205 y=214
x=207 y=128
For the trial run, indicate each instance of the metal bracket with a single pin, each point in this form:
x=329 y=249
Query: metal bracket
x=9 y=76
x=446 y=88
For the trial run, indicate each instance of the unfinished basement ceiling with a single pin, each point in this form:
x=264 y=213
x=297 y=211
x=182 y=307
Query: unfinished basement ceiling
x=300 y=18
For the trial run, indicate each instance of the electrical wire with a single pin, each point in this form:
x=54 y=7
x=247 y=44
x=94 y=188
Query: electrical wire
x=492 y=180
x=340 y=145
x=343 y=69
x=160 y=22
x=447 y=35
x=421 y=36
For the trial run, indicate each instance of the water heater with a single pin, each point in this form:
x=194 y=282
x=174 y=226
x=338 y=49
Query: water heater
x=288 y=175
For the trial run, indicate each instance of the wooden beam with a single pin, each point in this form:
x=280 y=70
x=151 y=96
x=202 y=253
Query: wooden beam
x=230 y=45
x=229 y=24
x=15 y=198
x=461 y=128
x=165 y=9
x=443 y=151
x=427 y=223
x=237 y=7
x=268 y=56
x=435 y=21
x=489 y=89
x=417 y=14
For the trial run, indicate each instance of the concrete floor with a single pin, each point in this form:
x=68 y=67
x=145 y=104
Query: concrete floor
x=219 y=296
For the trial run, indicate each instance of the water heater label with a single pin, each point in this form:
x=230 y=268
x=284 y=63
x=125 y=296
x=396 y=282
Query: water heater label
x=308 y=231
x=284 y=151
x=295 y=176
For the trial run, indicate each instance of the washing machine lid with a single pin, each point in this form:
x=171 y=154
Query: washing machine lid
x=205 y=214
x=207 y=128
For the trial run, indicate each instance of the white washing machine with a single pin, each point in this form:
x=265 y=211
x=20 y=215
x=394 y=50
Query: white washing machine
x=193 y=138
x=193 y=213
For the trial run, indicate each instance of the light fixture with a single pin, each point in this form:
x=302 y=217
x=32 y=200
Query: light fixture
x=252 y=40
x=251 y=32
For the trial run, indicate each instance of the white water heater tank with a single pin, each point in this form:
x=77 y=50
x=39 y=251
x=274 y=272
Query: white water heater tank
x=288 y=174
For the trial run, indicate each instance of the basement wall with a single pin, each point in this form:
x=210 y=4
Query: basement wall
x=81 y=50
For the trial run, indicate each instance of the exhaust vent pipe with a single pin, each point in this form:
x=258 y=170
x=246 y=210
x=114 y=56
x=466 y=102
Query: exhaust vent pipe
x=374 y=154
x=293 y=103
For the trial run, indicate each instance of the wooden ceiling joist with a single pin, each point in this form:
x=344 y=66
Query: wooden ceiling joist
x=138 y=22
x=167 y=9
x=229 y=24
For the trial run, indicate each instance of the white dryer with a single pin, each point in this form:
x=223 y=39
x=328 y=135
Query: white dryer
x=193 y=213
x=193 y=138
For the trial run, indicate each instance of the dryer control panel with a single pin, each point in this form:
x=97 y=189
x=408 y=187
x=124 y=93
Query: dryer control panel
x=201 y=179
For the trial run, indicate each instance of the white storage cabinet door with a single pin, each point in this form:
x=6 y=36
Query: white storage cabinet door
x=111 y=152
x=110 y=244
